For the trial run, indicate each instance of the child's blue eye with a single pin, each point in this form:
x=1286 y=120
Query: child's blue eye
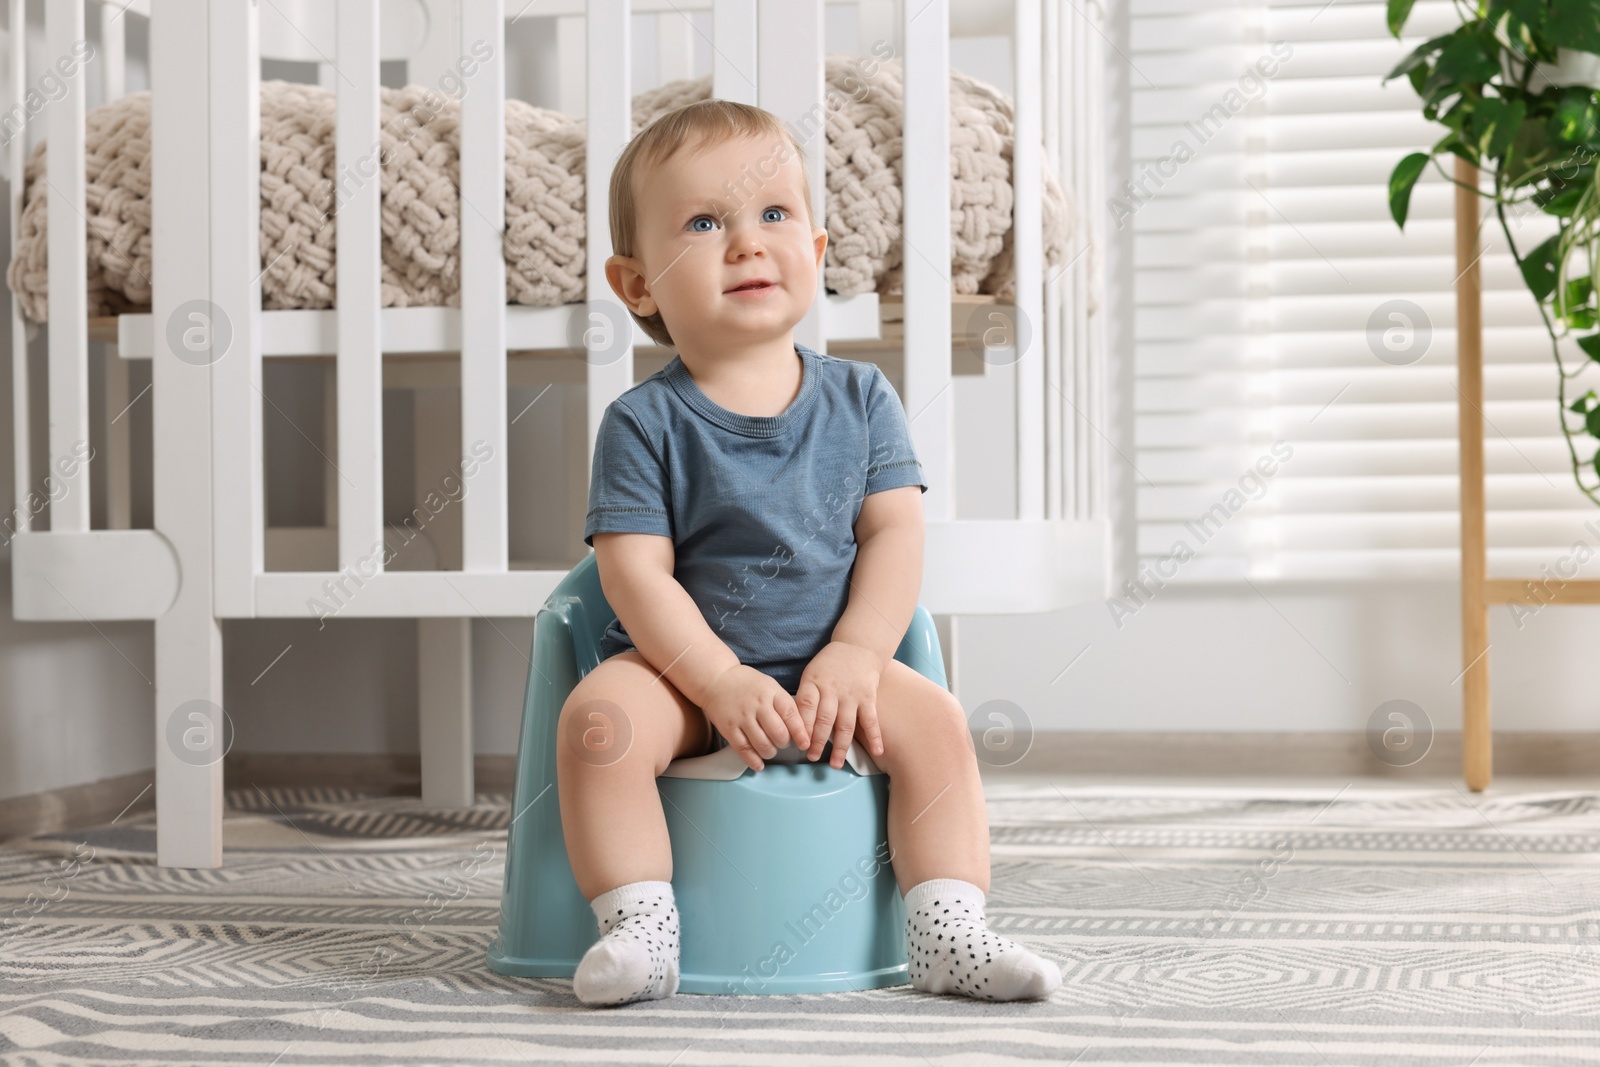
x=782 y=214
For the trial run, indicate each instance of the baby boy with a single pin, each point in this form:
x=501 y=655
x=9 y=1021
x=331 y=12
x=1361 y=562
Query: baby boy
x=756 y=515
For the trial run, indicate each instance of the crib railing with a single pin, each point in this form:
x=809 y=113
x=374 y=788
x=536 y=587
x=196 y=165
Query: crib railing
x=207 y=334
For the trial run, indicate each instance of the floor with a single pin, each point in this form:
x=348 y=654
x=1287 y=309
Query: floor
x=1220 y=919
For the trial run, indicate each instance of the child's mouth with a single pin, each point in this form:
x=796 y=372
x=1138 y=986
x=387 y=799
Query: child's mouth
x=752 y=289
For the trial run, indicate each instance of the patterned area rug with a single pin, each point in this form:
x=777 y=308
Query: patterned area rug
x=1192 y=926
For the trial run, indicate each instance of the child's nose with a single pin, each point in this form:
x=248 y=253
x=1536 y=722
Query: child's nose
x=746 y=240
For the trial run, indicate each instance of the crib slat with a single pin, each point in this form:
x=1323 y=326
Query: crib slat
x=68 y=274
x=790 y=41
x=1087 y=384
x=1056 y=420
x=607 y=327
x=1084 y=438
x=733 y=60
x=21 y=421
x=927 y=393
x=1079 y=432
x=485 y=538
x=1092 y=57
x=1027 y=232
x=357 y=184
x=238 y=471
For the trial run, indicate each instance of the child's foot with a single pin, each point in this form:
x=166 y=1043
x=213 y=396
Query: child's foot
x=636 y=957
x=951 y=949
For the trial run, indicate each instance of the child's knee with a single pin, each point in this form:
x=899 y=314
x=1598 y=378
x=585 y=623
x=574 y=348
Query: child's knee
x=595 y=730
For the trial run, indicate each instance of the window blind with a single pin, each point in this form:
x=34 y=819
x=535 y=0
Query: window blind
x=1294 y=388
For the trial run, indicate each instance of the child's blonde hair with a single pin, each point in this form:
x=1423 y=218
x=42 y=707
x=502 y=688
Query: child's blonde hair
x=703 y=123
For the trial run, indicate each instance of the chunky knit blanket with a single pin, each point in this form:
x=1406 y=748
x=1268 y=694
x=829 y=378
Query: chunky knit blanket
x=545 y=192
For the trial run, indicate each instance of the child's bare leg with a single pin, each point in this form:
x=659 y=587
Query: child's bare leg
x=938 y=824
x=939 y=843
x=620 y=727
x=611 y=813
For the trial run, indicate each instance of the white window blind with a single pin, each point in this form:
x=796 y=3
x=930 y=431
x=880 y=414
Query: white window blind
x=1269 y=278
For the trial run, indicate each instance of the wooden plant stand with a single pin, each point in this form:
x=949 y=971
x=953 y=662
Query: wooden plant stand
x=1478 y=590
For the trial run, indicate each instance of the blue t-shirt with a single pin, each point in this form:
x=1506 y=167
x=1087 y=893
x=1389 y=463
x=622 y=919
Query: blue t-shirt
x=761 y=509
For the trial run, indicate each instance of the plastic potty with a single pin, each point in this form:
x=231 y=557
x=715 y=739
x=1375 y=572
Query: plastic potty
x=782 y=877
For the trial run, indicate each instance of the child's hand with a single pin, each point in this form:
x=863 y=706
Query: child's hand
x=839 y=689
x=753 y=713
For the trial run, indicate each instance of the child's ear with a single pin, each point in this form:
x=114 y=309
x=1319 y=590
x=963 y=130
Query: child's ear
x=626 y=275
x=820 y=237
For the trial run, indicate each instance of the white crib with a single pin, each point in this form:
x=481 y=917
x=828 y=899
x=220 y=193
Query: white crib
x=206 y=557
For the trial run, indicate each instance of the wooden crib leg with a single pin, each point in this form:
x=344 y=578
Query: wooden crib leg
x=190 y=724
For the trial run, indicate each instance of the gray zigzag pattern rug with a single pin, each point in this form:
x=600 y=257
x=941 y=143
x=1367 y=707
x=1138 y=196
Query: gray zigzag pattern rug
x=1191 y=926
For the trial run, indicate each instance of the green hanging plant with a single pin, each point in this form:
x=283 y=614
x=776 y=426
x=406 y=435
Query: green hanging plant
x=1497 y=84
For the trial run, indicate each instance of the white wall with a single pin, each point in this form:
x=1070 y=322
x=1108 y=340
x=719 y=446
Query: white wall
x=1226 y=660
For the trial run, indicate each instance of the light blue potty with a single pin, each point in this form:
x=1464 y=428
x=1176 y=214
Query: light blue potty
x=781 y=877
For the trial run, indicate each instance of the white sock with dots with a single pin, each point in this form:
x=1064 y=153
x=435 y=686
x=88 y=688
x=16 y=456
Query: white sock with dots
x=951 y=950
x=636 y=957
